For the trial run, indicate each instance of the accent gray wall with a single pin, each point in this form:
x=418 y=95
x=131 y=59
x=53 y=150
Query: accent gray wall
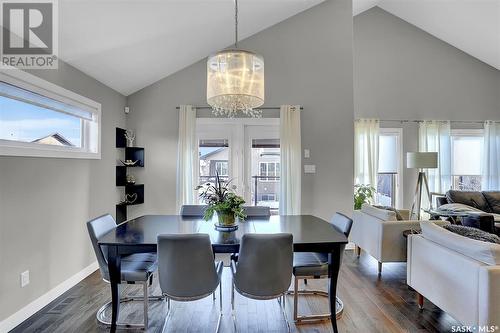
x=402 y=72
x=308 y=60
x=45 y=202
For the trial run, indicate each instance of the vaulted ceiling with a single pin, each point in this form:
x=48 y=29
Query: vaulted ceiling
x=472 y=26
x=128 y=45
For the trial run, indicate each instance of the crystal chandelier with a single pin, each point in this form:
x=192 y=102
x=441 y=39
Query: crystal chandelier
x=235 y=80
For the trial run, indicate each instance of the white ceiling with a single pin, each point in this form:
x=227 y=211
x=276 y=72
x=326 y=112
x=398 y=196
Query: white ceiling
x=472 y=26
x=129 y=44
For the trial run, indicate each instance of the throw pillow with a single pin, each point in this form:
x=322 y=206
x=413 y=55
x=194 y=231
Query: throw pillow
x=493 y=198
x=392 y=209
x=473 y=233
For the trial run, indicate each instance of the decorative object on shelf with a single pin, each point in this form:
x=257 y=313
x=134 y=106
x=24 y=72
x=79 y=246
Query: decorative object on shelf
x=363 y=194
x=221 y=199
x=130 y=198
x=130 y=136
x=129 y=162
x=130 y=179
x=420 y=161
x=235 y=80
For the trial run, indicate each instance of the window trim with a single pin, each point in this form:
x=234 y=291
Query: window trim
x=42 y=87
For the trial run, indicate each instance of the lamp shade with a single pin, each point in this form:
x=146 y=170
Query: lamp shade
x=421 y=160
x=235 y=81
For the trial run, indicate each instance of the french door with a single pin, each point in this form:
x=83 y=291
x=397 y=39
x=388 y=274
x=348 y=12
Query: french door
x=245 y=151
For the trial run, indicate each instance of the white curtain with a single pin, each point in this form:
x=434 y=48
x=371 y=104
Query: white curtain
x=186 y=156
x=291 y=164
x=366 y=136
x=491 y=156
x=435 y=136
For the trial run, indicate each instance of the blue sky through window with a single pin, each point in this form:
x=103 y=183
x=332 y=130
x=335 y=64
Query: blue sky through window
x=20 y=121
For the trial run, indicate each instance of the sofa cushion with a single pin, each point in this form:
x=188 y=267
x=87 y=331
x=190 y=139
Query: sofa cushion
x=382 y=214
x=493 y=199
x=458 y=207
x=473 y=233
x=399 y=217
x=487 y=253
x=469 y=198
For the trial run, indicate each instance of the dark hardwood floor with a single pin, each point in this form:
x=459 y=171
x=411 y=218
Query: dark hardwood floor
x=372 y=304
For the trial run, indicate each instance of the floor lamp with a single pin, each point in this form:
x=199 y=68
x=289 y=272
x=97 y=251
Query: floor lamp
x=420 y=161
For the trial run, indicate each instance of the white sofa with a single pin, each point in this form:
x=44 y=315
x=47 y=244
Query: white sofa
x=459 y=275
x=379 y=233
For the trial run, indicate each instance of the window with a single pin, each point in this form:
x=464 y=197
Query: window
x=466 y=158
x=269 y=170
x=38 y=118
x=389 y=167
x=221 y=168
x=268 y=197
x=213 y=159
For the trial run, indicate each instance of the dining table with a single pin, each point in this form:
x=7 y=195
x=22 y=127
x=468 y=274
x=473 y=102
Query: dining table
x=139 y=235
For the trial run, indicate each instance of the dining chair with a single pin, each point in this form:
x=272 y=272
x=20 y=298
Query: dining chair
x=310 y=265
x=186 y=269
x=135 y=268
x=257 y=211
x=193 y=210
x=264 y=268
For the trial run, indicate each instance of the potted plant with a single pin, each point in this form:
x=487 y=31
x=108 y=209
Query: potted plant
x=363 y=194
x=220 y=198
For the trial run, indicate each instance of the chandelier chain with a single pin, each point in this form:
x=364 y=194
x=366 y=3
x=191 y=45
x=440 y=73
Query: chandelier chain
x=236 y=23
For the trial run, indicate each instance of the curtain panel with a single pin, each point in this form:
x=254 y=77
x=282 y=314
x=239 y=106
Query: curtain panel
x=186 y=157
x=291 y=163
x=366 y=139
x=435 y=136
x=491 y=156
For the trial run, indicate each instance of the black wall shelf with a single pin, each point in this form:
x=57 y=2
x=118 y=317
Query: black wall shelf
x=134 y=154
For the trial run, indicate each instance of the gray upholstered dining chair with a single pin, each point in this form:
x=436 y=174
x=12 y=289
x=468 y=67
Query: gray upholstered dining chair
x=135 y=268
x=264 y=268
x=193 y=210
x=310 y=265
x=186 y=269
x=257 y=211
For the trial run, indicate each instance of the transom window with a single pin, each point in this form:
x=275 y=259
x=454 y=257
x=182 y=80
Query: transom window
x=38 y=118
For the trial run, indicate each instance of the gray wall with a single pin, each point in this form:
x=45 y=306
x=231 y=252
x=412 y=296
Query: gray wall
x=309 y=62
x=402 y=72
x=45 y=202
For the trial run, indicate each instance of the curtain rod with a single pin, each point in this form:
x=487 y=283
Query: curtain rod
x=451 y=121
x=261 y=108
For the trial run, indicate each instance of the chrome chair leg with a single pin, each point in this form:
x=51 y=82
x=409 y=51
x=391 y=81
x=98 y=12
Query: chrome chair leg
x=298 y=319
x=101 y=313
x=283 y=309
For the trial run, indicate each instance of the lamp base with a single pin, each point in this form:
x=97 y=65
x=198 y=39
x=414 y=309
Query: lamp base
x=417 y=201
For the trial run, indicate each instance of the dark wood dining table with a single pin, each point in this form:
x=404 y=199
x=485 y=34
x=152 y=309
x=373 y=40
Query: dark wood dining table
x=310 y=234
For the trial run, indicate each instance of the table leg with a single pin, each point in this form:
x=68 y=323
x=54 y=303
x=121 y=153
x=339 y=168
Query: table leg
x=114 y=268
x=333 y=272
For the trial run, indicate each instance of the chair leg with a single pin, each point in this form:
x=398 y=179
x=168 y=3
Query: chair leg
x=420 y=301
x=379 y=268
x=233 y=314
x=220 y=296
x=146 y=303
x=283 y=307
x=358 y=251
x=295 y=298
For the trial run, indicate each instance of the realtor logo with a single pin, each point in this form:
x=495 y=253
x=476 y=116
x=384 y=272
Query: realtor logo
x=29 y=34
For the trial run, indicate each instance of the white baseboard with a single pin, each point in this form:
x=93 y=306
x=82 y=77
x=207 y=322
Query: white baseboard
x=17 y=318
